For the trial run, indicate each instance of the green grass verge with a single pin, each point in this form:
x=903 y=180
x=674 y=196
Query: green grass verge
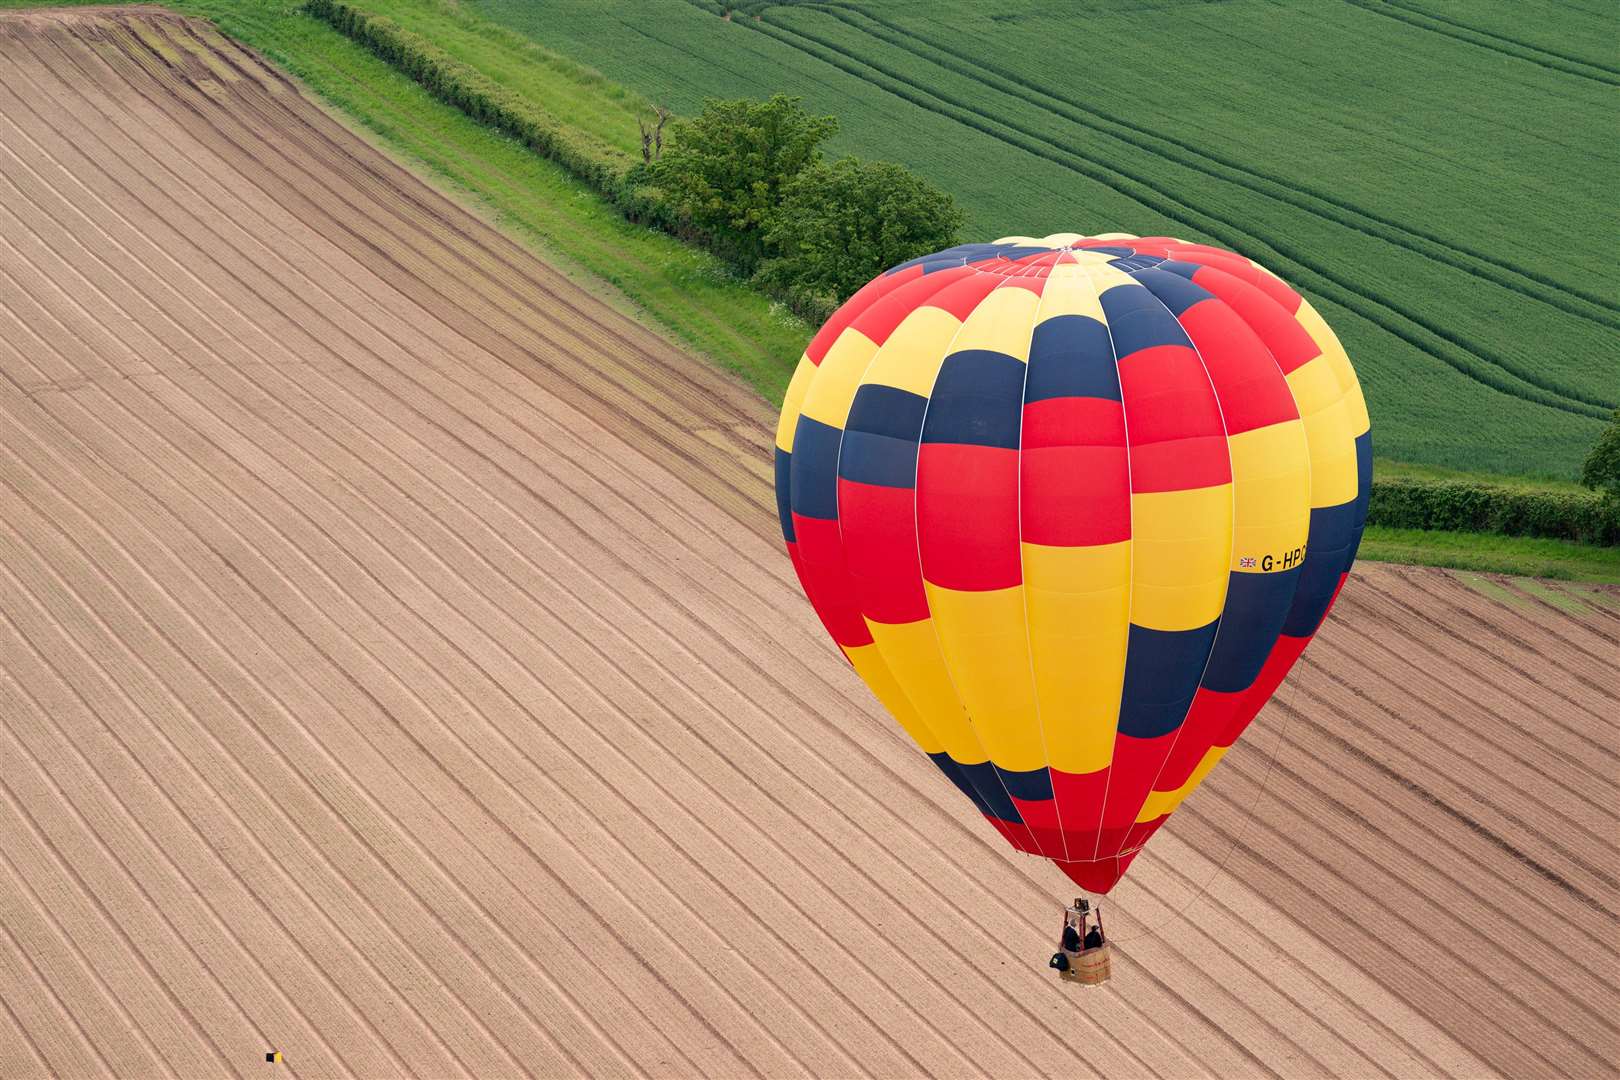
x=1518 y=555
x=603 y=112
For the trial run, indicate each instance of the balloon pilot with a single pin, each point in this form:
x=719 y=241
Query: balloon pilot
x=1083 y=954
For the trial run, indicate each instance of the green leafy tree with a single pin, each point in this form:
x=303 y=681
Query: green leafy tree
x=1601 y=470
x=723 y=171
x=840 y=225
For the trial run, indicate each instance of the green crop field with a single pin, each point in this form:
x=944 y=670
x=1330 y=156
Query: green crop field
x=1437 y=177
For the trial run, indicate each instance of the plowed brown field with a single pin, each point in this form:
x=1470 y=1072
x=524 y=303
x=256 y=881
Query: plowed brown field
x=399 y=669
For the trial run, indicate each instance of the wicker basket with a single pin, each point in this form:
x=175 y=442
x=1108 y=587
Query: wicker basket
x=1091 y=967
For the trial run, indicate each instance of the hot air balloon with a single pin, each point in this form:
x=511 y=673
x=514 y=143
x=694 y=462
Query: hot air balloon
x=1072 y=507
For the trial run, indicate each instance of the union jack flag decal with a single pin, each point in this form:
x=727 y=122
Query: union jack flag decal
x=1247 y=560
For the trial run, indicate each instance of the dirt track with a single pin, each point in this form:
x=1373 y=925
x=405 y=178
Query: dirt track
x=398 y=669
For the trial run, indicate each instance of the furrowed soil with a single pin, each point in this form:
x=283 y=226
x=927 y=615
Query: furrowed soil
x=399 y=670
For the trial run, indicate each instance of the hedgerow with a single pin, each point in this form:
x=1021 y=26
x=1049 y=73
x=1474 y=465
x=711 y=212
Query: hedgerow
x=598 y=165
x=1467 y=506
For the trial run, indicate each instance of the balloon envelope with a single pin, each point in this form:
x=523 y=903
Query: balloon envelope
x=1072 y=507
